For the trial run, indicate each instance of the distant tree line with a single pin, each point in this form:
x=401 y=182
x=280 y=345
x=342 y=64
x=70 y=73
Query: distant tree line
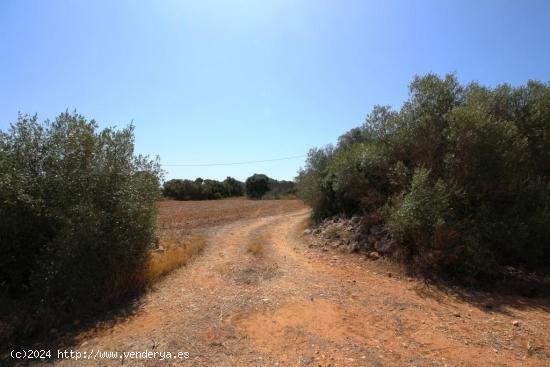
x=460 y=176
x=200 y=189
x=257 y=186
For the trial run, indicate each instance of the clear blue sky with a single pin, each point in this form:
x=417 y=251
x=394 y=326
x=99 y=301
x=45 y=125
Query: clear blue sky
x=225 y=81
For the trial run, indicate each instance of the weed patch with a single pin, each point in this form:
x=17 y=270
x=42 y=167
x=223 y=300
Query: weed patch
x=173 y=253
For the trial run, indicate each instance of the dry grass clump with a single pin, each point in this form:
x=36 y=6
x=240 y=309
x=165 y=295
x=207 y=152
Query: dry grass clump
x=257 y=245
x=173 y=253
x=255 y=248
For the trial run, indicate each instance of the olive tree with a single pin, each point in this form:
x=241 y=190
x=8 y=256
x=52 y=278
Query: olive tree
x=78 y=210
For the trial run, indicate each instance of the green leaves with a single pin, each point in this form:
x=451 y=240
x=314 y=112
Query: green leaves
x=461 y=170
x=76 y=202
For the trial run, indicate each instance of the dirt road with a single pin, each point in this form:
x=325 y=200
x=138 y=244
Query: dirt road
x=259 y=296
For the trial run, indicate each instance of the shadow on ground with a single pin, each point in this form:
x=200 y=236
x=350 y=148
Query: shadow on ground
x=54 y=336
x=512 y=291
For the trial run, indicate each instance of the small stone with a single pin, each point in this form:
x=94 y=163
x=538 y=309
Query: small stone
x=515 y=322
x=456 y=314
x=307 y=231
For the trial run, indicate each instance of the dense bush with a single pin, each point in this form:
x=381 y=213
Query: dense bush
x=461 y=175
x=280 y=189
x=257 y=186
x=260 y=186
x=202 y=189
x=233 y=187
x=78 y=212
x=181 y=190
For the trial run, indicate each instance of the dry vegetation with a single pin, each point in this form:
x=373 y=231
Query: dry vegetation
x=172 y=253
x=182 y=224
x=255 y=248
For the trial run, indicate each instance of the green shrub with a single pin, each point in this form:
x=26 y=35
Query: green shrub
x=182 y=190
x=257 y=186
x=423 y=220
x=359 y=175
x=310 y=183
x=233 y=187
x=213 y=190
x=78 y=209
x=417 y=214
x=461 y=175
x=280 y=189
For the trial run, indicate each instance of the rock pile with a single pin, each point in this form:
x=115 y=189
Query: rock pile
x=356 y=234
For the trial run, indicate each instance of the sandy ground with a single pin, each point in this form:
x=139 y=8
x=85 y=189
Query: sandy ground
x=292 y=305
